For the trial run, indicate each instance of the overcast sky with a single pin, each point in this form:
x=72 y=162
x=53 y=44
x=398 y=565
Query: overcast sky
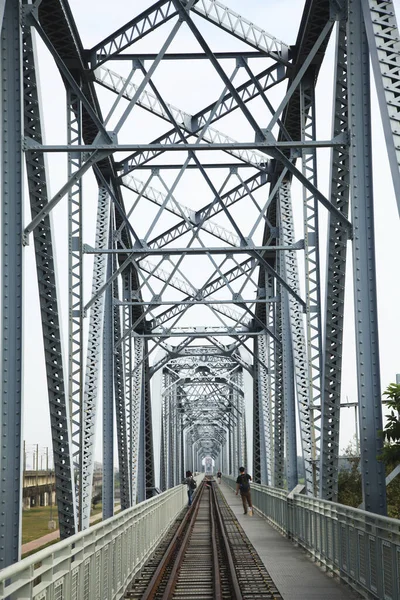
x=97 y=19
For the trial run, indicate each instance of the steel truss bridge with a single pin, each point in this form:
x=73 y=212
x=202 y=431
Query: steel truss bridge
x=198 y=278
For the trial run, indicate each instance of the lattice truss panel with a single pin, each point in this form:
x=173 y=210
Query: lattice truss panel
x=197 y=132
x=202 y=411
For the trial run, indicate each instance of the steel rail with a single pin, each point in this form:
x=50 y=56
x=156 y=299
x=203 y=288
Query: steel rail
x=172 y=581
x=169 y=572
x=237 y=594
x=156 y=579
x=216 y=570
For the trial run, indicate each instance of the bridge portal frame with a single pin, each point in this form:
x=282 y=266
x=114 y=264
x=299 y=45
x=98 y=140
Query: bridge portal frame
x=366 y=29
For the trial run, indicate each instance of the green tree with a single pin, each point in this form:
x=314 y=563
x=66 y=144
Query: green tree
x=391 y=433
x=391 y=450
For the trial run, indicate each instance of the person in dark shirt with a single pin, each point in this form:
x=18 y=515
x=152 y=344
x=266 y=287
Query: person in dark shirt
x=191 y=485
x=243 y=486
x=219 y=475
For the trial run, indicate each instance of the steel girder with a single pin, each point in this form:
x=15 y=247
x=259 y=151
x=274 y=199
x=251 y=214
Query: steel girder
x=286 y=364
x=336 y=274
x=108 y=396
x=46 y=276
x=276 y=375
x=11 y=305
x=120 y=402
x=148 y=460
x=312 y=270
x=364 y=276
x=256 y=418
x=75 y=307
x=298 y=340
x=146 y=22
x=136 y=407
x=265 y=408
x=90 y=389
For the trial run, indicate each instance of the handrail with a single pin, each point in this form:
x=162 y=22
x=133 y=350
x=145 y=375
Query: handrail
x=360 y=547
x=99 y=562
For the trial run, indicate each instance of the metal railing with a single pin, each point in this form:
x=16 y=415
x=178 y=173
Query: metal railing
x=97 y=563
x=362 y=548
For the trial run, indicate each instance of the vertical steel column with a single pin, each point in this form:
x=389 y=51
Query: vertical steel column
x=275 y=363
x=230 y=452
x=163 y=458
x=141 y=460
x=189 y=452
x=297 y=334
x=225 y=464
x=169 y=431
x=288 y=394
x=149 y=450
x=235 y=425
x=242 y=454
x=336 y=279
x=135 y=414
x=266 y=440
x=165 y=429
x=312 y=269
x=182 y=436
x=93 y=355
x=47 y=285
x=108 y=396
x=256 y=417
x=243 y=419
x=127 y=344
x=361 y=189
x=75 y=306
x=11 y=274
x=120 y=404
x=175 y=434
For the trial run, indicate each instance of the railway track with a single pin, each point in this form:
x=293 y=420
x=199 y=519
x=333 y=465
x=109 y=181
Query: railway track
x=206 y=556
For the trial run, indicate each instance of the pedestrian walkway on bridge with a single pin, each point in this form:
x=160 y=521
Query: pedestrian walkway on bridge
x=295 y=575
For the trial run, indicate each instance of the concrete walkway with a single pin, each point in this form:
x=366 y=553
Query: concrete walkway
x=294 y=573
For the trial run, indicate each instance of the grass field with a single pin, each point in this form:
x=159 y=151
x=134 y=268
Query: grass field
x=35 y=522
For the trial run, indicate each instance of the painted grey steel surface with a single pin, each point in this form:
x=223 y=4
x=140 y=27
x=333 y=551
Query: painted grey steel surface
x=203 y=286
x=364 y=276
x=312 y=270
x=11 y=285
x=336 y=279
x=93 y=358
x=75 y=308
x=48 y=298
x=108 y=398
x=288 y=393
x=298 y=340
x=265 y=410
